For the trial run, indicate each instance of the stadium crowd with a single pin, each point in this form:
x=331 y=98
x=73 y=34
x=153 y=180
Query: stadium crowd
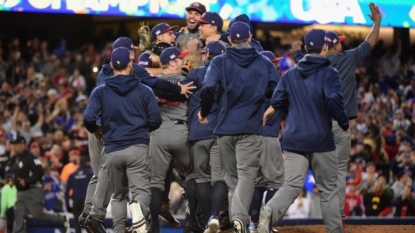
x=45 y=90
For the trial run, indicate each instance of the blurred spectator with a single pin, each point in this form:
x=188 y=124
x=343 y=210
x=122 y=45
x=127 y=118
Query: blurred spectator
x=368 y=178
x=72 y=166
x=8 y=200
x=399 y=185
x=353 y=201
x=78 y=182
x=378 y=202
x=300 y=208
x=354 y=176
x=405 y=203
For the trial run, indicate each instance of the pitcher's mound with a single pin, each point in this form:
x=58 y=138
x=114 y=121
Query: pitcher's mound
x=350 y=229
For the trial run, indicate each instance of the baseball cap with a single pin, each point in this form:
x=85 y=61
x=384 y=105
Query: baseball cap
x=271 y=56
x=171 y=53
x=196 y=6
x=334 y=38
x=18 y=140
x=316 y=38
x=240 y=31
x=124 y=42
x=159 y=47
x=162 y=28
x=120 y=57
x=214 y=47
x=212 y=18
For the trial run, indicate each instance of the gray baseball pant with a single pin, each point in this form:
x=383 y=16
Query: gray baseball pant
x=324 y=167
x=271 y=163
x=343 y=147
x=31 y=200
x=128 y=171
x=169 y=142
x=205 y=154
x=239 y=159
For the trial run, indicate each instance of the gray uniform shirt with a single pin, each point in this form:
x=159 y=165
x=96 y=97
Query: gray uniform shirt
x=172 y=111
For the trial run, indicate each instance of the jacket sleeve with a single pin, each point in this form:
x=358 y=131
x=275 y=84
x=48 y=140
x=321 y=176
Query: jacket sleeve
x=210 y=86
x=93 y=109
x=358 y=54
x=37 y=171
x=334 y=97
x=279 y=99
x=154 y=82
x=153 y=112
x=273 y=79
x=298 y=55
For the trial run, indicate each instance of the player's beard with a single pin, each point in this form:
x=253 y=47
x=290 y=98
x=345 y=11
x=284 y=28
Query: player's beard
x=195 y=29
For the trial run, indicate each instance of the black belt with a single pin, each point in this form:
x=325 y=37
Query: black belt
x=180 y=122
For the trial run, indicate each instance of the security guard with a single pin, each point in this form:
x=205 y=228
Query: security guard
x=28 y=174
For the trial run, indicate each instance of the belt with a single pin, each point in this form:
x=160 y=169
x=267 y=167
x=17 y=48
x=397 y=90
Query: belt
x=179 y=122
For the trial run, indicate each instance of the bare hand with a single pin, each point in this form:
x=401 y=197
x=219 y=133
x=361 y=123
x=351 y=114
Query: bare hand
x=296 y=46
x=22 y=182
x=98 y=132
x=270 y=111
x=376 y=16
x=348 y=127
x=186 y=88
x=201 y=119
x=192 y=45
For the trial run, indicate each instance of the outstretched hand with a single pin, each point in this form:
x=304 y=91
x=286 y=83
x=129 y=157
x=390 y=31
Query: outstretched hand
x=375 y=15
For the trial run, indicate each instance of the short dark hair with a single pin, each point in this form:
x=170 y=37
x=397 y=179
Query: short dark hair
x=243 y=41
x=212 y=55
x=120 y=68
x=315 y=50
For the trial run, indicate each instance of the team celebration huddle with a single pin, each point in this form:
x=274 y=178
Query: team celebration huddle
x=204 y=107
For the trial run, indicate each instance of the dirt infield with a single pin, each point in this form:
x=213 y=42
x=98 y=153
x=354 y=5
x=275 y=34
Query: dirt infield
x=350 y=229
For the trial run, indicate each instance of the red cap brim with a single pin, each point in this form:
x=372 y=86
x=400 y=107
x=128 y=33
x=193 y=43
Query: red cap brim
x=136 y=47
x=342 y=38
x=202 y=21
x=174 y=28
x=183 y=54
x=277 y=59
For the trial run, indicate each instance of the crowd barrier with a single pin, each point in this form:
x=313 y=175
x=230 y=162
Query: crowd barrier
x=36 y=226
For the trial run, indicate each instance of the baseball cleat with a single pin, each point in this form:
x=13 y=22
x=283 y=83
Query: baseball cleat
x=265 y=225
x=139 y=222
x=213 y=225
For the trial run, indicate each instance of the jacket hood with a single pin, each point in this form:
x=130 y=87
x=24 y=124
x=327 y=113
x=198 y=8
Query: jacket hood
x=310 y=63
x=106 y=67
x=241 y=18
x=242 y=56
x=122 y=84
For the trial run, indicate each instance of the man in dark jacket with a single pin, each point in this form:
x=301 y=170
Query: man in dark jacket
x=28 y=174
x=241 y=78
x=311 y=94
x=129 y=111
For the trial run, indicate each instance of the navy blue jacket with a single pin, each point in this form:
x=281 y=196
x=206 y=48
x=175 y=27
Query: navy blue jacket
x=273 y=125
x=198 y=131
x=129 y=110
x=242 y=18
x=78 y=181
x=240 y=78
x=311 y=94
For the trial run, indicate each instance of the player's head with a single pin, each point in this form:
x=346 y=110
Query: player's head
x=163 y=32
x=210 y=24
x=239 y=33
x=270 y=55
x=212 y=50
x=122 y=61
x=194 y=11
x=335 y=46
x=155 y=55
x=19 y=144
x=172 y=60
x=316 y=42
x=125 y=42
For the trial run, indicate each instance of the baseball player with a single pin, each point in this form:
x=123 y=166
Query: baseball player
x=346 y=63
x=161 y=33
x=271 y=173
x=188 y=38
x=241 y=78
x=170 y=141
x=99 y=192
x=125 y=137
x=242 y=18
x=211 y=27
x=211 y=188
x=311 y=94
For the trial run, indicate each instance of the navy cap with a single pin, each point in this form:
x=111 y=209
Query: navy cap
x=240 y=31
x=214 y=47
x=18 y=140
x=124 y=42
x=334 y=38
x=315 y=38
x=171 y=53
x=162 y=28
x=270 y=55
x=120 y=57
x=196 y=6
x=212 y=18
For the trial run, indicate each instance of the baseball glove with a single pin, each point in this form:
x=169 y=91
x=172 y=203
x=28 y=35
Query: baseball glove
x=145 y=37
